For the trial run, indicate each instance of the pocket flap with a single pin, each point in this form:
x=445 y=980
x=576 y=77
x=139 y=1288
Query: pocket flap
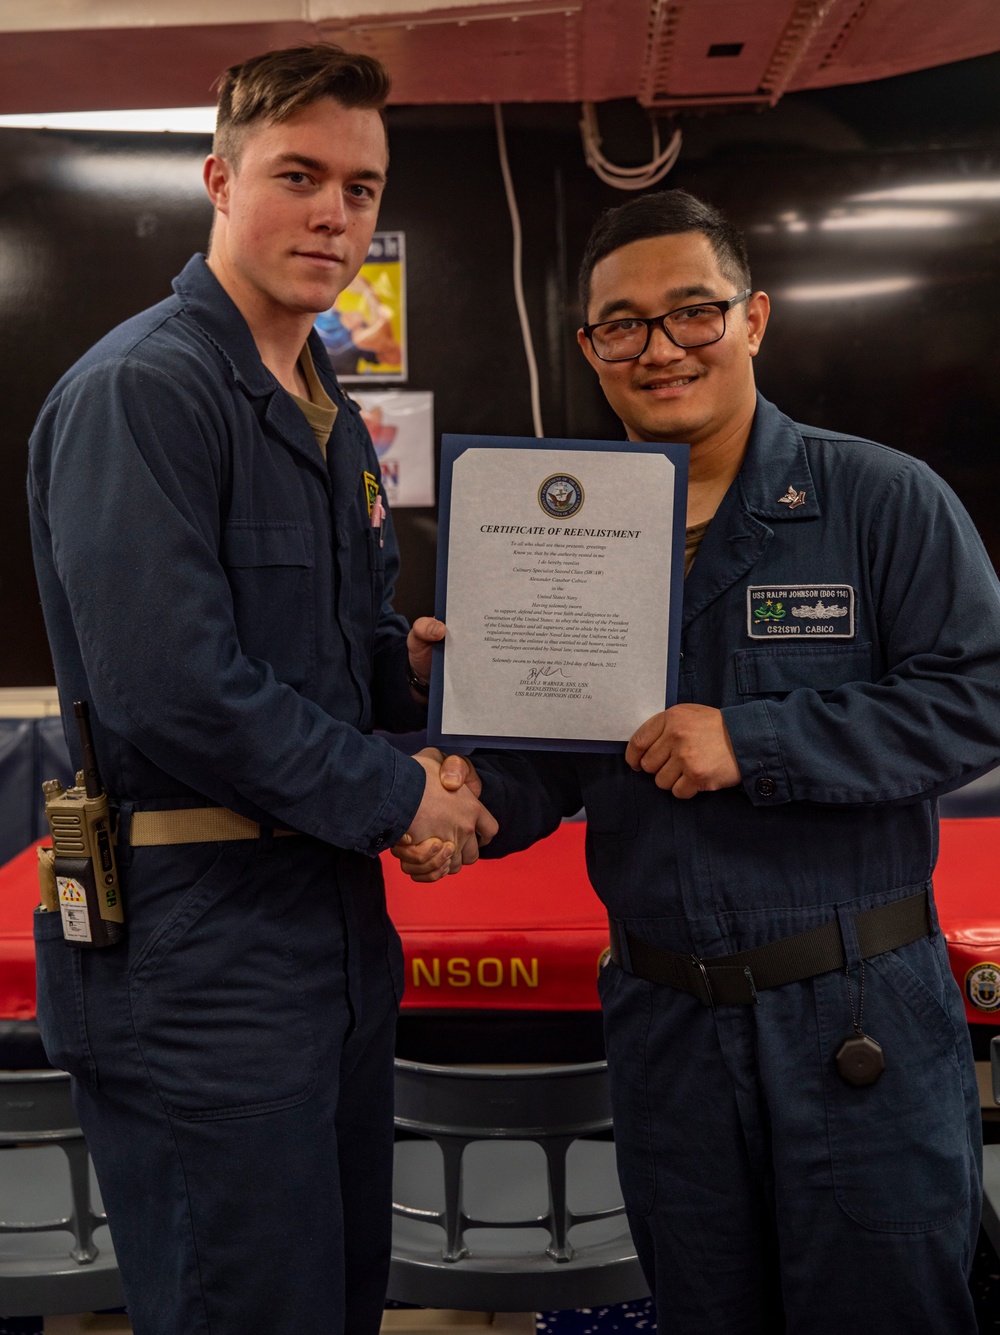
x=784 y=667
x=278 y=543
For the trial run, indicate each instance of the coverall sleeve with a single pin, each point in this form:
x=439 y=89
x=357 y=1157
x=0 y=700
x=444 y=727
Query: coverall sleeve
x=133 y=498
x=393 y=707
x=528 y=793
x=931 y=721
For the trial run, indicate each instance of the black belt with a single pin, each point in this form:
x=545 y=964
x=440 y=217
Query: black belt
x=735 y=980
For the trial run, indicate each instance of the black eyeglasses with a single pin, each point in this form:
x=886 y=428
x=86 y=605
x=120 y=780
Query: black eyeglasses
x=625 y=339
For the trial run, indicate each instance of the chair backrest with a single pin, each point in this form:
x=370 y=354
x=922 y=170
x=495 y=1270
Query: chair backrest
x=457 y=1105
x=36 y=1106
x=533 y=1102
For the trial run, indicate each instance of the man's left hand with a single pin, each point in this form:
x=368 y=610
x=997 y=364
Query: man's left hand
x=424 y=633
x=688 y=750
x=433 y=858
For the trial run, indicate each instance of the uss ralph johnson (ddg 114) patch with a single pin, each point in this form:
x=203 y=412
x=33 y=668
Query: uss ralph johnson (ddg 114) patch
x=824 y=611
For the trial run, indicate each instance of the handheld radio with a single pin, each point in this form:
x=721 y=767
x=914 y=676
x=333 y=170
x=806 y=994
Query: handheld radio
x=86 y=876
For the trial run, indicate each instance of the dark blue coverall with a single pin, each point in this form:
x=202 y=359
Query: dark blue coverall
x=764 y=1193
x=214 y=588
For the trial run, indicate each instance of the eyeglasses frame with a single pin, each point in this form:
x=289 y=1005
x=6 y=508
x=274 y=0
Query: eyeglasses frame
x=655 y=321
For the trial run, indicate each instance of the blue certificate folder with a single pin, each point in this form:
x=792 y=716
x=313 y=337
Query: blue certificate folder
x=452 y=448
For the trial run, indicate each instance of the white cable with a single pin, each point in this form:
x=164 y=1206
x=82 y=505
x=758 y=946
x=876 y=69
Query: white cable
x=522 y=311
x=633 y=178
x=611 y=173
x=592 y=141
x=626 y=178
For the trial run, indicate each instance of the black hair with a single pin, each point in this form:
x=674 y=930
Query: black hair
x=664 y=213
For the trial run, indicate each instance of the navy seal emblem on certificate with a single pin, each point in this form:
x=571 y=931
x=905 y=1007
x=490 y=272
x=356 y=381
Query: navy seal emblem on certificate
x=817 y=611
x=561 y=496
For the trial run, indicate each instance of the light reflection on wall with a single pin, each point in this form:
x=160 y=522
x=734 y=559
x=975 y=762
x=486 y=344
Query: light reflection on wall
x=932 y=192
x=864 y=220
x=874 y=287
x=22 y=271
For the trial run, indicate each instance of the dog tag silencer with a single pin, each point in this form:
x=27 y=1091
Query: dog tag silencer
x=860 y=1060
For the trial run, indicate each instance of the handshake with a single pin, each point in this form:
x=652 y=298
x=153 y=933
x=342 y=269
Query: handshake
x=451 y=823
x=685 y=750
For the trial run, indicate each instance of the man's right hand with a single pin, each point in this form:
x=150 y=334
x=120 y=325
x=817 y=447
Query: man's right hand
x=451 y=823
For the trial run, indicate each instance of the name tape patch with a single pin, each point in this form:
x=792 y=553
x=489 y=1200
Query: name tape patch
x=820 y=611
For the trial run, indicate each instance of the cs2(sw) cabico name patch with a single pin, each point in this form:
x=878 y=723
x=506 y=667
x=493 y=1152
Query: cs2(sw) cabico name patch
x=805 y=611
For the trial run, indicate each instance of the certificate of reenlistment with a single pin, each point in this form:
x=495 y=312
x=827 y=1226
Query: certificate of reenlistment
x=560 y=578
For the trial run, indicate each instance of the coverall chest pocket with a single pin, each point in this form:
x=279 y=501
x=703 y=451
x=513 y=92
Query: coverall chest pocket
x=771 y=672
x=270 y=567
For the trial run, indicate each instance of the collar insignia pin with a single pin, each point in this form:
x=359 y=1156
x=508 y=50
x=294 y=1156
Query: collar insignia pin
x=792 y=498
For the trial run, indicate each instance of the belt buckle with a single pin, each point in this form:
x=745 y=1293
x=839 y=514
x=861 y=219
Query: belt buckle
x=708 y=999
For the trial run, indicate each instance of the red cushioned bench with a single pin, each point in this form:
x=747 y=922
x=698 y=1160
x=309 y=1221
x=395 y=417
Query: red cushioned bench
x=526 y=933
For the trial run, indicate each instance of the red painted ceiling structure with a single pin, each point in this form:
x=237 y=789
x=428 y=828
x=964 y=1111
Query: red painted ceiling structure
x=669 y=54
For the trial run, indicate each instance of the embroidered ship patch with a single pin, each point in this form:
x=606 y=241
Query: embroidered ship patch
x=823 y=611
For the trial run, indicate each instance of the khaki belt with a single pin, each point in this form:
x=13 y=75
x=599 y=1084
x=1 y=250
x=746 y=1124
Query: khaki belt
x=735 y=980
x=193 y=825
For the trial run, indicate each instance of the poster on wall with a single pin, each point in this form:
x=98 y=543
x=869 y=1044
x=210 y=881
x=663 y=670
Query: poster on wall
x=401 y=425
x=364 y=331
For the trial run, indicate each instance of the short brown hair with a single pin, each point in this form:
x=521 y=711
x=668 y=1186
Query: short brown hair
x=277 y=84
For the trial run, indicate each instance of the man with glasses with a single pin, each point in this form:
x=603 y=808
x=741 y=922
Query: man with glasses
x=796 y=1114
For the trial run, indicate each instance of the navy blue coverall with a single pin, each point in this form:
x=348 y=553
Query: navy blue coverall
x=216 y=591
x=764 y=1193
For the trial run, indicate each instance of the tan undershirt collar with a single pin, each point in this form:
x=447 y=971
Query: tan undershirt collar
x=319 y=409
x=692 y=541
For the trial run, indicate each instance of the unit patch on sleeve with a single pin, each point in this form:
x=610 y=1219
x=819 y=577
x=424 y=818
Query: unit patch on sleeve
x=824 y=611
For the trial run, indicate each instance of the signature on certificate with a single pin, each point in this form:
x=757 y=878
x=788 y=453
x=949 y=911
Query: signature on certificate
x=549 y=670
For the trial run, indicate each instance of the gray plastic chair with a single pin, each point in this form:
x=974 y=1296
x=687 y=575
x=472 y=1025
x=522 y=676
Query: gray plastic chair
x=49 y=1265
x=507 y=1197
